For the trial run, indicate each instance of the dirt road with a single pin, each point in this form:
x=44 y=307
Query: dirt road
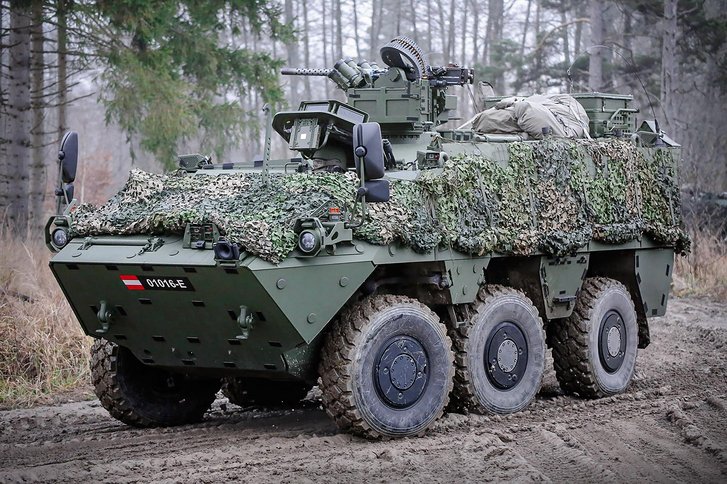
x=670 y=426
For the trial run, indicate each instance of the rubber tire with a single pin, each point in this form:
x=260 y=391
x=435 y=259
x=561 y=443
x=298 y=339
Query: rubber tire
x=473 y=390
x=347 y=361
x=131 y=393
x=268 y=393
x=577 y=363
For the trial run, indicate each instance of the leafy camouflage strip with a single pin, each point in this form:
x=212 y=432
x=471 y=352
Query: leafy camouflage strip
x=552 y=196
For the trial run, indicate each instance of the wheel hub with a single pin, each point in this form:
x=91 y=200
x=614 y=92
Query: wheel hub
x=612 y=341
x=402 y=371
x=506 y=355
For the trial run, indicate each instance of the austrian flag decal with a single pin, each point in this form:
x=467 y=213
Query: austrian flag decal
x=156 y=283
x=132 y=283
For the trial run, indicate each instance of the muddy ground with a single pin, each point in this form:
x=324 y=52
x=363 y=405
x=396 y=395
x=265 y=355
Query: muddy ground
x=671 y=425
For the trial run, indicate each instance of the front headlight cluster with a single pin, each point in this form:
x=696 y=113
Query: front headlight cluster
x=59 y=237
x=57 y=233
x=309 y=242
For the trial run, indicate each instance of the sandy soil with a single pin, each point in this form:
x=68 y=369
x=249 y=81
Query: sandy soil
x=671 y=425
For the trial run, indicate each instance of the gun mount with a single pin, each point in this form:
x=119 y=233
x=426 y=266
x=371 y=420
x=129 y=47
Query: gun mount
x=406 y=98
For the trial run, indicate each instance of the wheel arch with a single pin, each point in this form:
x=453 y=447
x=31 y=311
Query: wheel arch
x=646 y=273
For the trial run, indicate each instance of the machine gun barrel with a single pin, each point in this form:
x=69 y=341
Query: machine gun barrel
x=298 y=71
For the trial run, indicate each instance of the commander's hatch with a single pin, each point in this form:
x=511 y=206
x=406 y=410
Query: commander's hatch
x=317 y=124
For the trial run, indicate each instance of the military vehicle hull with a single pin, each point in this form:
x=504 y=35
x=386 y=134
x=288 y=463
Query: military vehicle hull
x=392 y=264
x=195 y=326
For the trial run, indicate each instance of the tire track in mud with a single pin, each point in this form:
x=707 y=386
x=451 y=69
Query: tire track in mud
x=670 y=426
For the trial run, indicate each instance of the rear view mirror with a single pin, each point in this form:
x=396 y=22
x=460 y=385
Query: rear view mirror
x=368 y=146
x=377 y=191
x=68 y=156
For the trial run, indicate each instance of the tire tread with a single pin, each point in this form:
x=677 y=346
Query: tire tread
x=337 y=356
x=464 y=397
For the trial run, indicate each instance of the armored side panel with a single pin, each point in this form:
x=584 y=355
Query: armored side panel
x=653 y=269
x=399 y=106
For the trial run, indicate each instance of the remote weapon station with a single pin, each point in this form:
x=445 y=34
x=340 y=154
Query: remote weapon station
x=405 y=268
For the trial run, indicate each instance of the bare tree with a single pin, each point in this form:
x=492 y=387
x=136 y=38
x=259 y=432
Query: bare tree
x=339 y=28
x=38 y=167
x=449 y=50
x=291 y=49
x=564 y=23
x=356 y=35
x=62 y=12
x=595 y=65
x=525 y=28
x=495 y=12
x=306 y=50
x=668 y=61
x=13 y=195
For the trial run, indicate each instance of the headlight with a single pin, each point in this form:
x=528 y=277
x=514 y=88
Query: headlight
x=225 y=250
x=60 y=237
x=309 y=242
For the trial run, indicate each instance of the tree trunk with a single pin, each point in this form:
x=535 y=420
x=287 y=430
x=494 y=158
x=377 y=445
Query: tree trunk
x=326 y=60
x=62 y=11
x=495 y=12
x=38 y=173
x=3 y=114
x=525 y=29
x=306 y=51
x=293 y=56
x=475 y=31
x=429 y=28
x=595 y=64
x=356 y=36
x=376 y=6
x=414 y=25
x=14 y=182
x=539 y=54
x=566 y=43
x=668 y=60
x=630 y=79
x=580 y=12
x=463 y=40
x=339 y=29
x=450 y=33
x=442 y=32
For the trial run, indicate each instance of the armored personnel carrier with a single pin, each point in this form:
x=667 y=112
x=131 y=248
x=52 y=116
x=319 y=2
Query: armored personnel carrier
x=404 y=267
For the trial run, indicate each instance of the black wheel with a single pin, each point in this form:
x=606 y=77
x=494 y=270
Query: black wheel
x=386 y=368
x=256 y=391
x=145 y=396
x=594 y=350
x=500 y=352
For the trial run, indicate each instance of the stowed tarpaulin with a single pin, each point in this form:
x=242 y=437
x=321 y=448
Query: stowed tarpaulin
x=552 y=196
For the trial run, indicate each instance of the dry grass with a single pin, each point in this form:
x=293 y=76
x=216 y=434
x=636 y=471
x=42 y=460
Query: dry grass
x=703 y=272
x=43 y=352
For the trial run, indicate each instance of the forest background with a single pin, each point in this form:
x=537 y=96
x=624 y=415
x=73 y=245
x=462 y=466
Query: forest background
x=142 y=81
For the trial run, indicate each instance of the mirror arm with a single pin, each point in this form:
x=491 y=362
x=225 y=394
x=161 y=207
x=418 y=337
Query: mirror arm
x=60 y=193
x=360 y=193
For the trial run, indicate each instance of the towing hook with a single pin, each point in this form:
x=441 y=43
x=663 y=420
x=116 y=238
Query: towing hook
x=104 y=317
x=245 y=321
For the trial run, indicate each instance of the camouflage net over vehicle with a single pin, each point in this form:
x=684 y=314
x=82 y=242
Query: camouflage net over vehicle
x=549 y=197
